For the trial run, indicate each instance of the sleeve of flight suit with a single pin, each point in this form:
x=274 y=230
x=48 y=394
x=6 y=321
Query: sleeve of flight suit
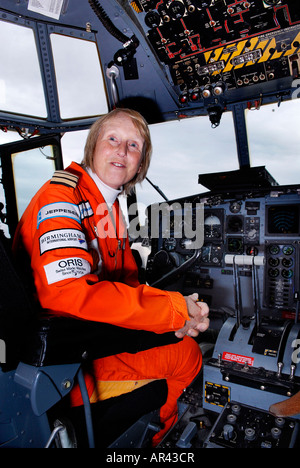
x=62 y=266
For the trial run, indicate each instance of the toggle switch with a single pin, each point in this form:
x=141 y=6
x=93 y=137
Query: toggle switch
x=279 y=371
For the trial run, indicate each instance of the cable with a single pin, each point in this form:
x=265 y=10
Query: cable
x=107 y=23
x=129 y=44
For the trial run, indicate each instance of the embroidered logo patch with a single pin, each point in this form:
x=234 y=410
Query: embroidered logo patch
x=58 y=210
x=62 y=239
x=66 y=268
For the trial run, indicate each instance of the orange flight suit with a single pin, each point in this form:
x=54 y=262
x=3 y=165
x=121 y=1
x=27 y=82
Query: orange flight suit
x=83 y=267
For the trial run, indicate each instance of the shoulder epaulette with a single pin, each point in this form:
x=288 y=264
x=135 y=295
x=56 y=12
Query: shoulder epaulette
x=64 y=178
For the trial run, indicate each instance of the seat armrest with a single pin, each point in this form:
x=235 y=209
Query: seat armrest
x=61 y=340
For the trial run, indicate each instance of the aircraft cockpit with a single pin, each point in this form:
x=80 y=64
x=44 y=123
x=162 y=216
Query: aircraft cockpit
x=218 y=82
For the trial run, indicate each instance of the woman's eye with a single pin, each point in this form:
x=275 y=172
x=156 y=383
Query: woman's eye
x=134 y=145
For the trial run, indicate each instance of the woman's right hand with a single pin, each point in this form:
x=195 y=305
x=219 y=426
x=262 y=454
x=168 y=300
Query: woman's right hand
x=198 y=313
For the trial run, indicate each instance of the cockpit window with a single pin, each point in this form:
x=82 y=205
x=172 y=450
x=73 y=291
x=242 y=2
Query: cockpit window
x=79 y=78
x=21 y=87
x=184 y=149
x=40 y=164
x=274 y=140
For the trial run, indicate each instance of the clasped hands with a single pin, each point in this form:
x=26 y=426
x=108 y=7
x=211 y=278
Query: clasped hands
x=199 y=321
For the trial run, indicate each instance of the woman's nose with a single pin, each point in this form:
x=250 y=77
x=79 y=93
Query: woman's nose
x=122 y=148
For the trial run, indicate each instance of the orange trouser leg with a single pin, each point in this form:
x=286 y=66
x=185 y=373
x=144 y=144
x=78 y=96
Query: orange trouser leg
x=178 y=363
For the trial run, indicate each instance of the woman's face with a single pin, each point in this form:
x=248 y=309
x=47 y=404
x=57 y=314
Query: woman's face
x=118 y=151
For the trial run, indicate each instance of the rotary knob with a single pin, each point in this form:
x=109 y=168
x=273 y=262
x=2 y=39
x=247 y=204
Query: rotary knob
x=228 y=432
x=250 y=434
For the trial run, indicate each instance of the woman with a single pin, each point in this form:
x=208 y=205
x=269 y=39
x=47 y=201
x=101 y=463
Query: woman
x=83 y=267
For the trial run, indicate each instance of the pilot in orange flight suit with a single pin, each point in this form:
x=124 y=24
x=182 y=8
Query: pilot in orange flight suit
x=83 y=267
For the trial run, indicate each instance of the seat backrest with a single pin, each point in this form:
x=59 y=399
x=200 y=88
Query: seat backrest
x=17 y=310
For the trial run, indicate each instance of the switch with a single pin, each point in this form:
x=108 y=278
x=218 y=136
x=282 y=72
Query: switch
x=228 y=432
x=189 y=432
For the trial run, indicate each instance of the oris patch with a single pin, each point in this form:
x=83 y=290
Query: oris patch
x=66 y=268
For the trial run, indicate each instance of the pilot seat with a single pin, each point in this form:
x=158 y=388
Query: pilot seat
x=43 y=360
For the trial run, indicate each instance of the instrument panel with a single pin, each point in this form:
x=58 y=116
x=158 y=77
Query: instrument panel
x=213 y=46
x=264 y=223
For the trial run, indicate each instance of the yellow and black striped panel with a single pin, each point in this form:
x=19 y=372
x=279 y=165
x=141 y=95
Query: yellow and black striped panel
x=64 y=178
x=136 y=6
x=264 y=49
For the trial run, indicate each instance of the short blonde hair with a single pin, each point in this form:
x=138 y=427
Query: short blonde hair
x=141 y=124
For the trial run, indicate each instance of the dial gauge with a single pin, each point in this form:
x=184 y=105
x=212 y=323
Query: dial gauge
x=212 y=226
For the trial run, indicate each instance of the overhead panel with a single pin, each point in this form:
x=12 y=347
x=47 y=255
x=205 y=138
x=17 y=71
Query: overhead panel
x=217 y=46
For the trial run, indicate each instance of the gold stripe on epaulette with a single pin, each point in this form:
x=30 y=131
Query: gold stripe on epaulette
x=64 y=178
